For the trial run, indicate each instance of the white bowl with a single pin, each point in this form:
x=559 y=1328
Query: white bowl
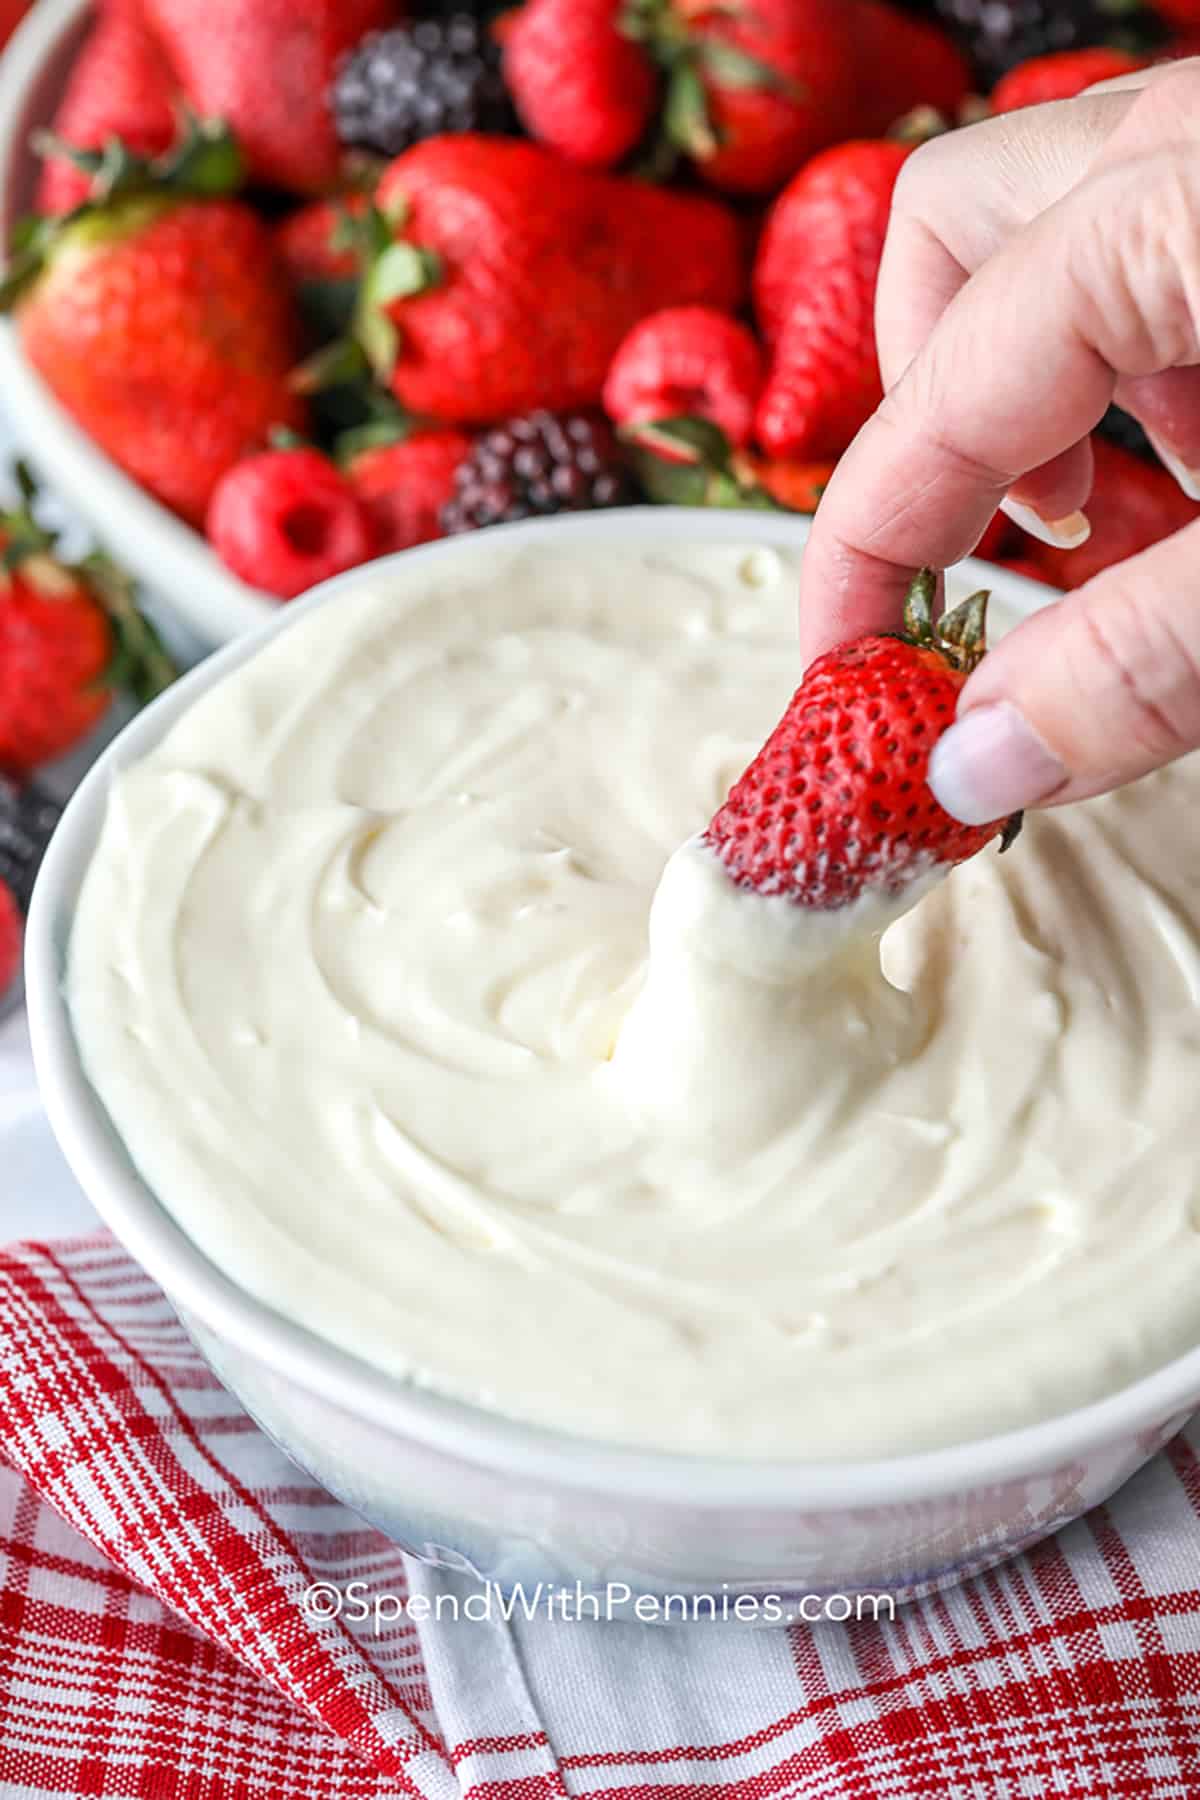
x=149 y=541
x=458 y=1485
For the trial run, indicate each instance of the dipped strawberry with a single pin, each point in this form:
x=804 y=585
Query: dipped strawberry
x=837 y=804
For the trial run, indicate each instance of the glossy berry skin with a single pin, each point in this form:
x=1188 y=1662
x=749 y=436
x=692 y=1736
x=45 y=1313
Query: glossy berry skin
x=288 y=519
x=837 y=804
x=406 y=485
x=1181 y=13
x=167 y=330
x=687 y=361
x=579 y=84
x=119 y=86
x=814 y=287
x=1060 y=77
x=56 y=646
x=904 y=62
x=11 y=933
x=266 y=67
x=543 y=268
x=1134 y=504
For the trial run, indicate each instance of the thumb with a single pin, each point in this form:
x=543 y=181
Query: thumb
x=1096 y=690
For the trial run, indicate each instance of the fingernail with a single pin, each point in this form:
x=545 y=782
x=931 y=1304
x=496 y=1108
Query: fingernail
x=1188 y=479
x=992 y=763
x=1060 y=534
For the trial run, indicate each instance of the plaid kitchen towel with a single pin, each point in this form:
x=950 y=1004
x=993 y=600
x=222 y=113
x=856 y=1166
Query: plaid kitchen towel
x=155 y=1641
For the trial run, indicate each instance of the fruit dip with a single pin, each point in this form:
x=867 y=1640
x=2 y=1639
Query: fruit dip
x=359 y=971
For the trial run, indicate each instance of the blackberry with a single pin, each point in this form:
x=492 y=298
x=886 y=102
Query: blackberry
x=27 y=818
x=543 y=463
x=999 y=34
x=414 y=81
x=1123 y=429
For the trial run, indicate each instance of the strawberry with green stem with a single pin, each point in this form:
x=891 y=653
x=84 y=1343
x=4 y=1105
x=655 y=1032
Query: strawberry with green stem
x=157 y=314
x=71 y=636
x=837 y=804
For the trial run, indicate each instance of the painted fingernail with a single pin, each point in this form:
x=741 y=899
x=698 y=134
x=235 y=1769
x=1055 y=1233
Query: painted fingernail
x=991 y=763
x=1060 y=534
x=1188 y=479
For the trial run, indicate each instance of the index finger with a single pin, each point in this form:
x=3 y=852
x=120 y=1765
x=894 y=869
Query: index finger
x=1006 y=381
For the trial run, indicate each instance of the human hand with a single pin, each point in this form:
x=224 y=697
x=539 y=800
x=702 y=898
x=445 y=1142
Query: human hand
x=1038 y=266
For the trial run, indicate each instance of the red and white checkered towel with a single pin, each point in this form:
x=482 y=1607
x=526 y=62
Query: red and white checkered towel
x=154 y=1548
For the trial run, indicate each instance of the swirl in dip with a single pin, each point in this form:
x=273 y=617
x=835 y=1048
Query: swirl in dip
x=352 y=972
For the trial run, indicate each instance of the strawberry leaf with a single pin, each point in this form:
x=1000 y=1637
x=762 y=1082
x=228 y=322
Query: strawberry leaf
x=685 y=116
x=730 y=67
x=688 y=462
x=140 y=662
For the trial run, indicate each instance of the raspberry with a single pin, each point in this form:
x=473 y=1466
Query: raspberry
x=416 y=81
x=689 y=361
x=11 y=932
x=406 y=485
x=287 y=519
x=28 y=817
x=542 y=463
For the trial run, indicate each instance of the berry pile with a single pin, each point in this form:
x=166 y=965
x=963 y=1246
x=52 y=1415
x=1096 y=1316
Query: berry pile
x=474 y=262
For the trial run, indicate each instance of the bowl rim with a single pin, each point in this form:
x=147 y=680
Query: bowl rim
x=297 y=1355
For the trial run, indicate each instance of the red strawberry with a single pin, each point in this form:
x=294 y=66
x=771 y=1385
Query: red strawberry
x=903 y=63
x=796 y=485
x=406 y=485
x=119 y=87
x=687 y=361
x=1060 y=76
x=68 y=636
x=580 y=84
x=1134 y=504
x=1000 y=536
x=1180 y=13
x=514 y=276
x=11 y=933
x=288 y=519
x=814 y=288
x=162 y=324
x=316 y=241
x=265 y=67
x=837 y=804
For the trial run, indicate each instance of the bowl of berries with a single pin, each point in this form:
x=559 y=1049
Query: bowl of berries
x=290 y=288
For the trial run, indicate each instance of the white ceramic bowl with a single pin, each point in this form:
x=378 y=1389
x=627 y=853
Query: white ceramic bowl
x=457 y=1485
x=149 y=541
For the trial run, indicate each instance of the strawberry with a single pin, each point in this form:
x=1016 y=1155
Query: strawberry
x=266 y=67
x=579 y=83
x=792 y=484
x=814 y=288
x=406 y=485
x=70 y=635
x=1060 y=76
x=903 y=63
x=287 y=519
x=119 y=87
x=11 y=934
x=1134 y=504
x=317 y=242
x=1180 y=13
x=504 y=280
x=691 y=361
x=160 y=321
x=837 y=803
x=1000 y=536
